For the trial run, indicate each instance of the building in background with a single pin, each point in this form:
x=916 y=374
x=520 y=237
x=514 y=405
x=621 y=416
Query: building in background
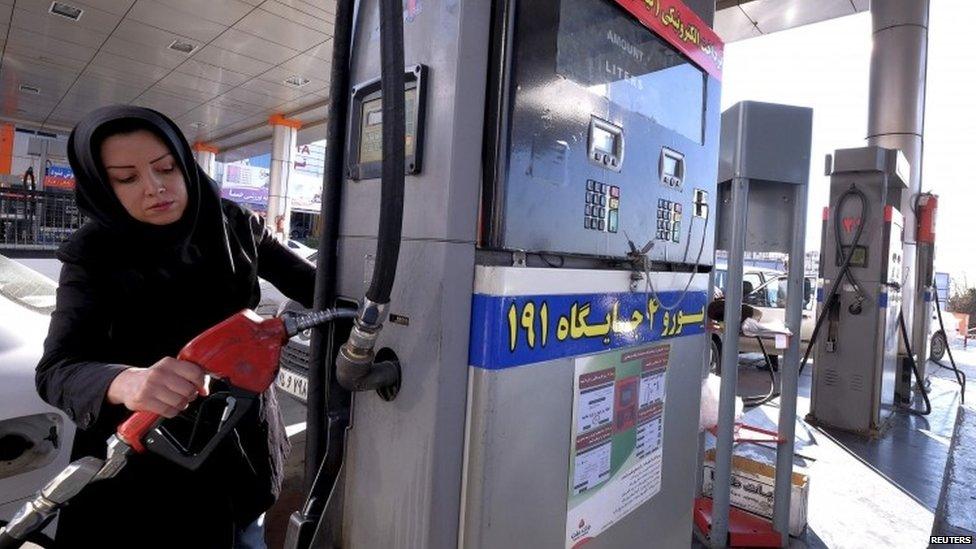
x=247 y=182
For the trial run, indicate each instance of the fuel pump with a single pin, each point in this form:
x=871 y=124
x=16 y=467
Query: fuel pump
x=925 y=206
x=542 y=188
x=859 y=303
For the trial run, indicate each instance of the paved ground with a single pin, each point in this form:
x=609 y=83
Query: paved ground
x=869 y=492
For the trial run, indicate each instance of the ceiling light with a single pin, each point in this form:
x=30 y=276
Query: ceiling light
x=66 y=10
x=30 y=89
x=182 y=46
x=296 y=81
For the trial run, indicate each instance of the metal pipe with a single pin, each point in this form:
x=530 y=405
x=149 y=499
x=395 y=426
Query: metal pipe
x=896 y=120
x=790 y=369
x=730 y=361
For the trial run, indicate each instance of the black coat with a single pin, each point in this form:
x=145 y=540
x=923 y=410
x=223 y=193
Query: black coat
x=132 y=293
x=111 y=312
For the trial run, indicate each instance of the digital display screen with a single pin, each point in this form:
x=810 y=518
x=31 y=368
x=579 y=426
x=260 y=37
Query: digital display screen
x=859 y=259
x=670 y=165
x=602 y=140
x=371 y=128
x=602 y=48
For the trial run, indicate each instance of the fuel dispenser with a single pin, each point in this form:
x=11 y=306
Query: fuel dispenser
x=925 y=206
x=543 y=346
x=859 y=302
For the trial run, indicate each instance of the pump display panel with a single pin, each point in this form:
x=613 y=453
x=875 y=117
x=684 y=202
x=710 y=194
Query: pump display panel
x=365 y=154
x=600 y=123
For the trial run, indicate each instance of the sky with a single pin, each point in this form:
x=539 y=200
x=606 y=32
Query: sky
x=825 y=66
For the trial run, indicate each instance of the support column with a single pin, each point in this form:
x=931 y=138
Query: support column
x=283 y=138
x=6 y=148
x=721 y=495
x=896 y=115
x=206 y=156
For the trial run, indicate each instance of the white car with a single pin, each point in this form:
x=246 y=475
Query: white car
x=765 y=289
x=770 y=299
x=35 y=438
x=301 y=249
x=938 y=341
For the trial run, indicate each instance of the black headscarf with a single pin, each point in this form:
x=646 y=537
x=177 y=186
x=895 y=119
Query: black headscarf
x=200 y=232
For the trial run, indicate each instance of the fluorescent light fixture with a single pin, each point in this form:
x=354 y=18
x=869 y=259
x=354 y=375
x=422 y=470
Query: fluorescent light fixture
x=66 y=10
x=182 y=46
x=296 y=81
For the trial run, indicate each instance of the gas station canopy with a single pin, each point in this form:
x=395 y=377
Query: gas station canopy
x=219 y=68
x=741 y=19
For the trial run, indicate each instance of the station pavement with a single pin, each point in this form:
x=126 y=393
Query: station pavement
x=881 y=492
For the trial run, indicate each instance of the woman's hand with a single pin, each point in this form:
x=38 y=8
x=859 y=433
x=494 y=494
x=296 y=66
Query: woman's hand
x=166 y=388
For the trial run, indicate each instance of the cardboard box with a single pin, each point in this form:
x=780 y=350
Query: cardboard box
x=753 y=485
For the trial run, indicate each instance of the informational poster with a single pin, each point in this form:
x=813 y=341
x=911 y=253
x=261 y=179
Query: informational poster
x=246 y=184
x=616 y=449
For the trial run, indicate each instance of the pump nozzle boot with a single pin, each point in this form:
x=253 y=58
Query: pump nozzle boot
x=356 y=369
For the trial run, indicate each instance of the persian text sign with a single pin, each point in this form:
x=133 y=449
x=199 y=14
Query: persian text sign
x=683 y=29
x=509 y=331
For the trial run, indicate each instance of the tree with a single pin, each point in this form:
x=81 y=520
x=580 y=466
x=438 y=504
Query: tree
x=964 y=301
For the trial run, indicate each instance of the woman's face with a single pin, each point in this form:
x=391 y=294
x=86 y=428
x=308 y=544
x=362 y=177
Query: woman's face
x=145 y=177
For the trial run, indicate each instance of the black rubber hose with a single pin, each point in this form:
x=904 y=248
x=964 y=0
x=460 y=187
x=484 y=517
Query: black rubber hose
x=327 y=404
x=960 y=376
x=9 y=542
x=755 y=400
x=394 y=131
x=838 y=233
x=845 y=267
x=918 y=375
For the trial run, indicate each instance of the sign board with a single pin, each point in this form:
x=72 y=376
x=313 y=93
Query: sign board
x=617 y=445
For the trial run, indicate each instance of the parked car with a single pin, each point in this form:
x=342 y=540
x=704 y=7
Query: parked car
x=938 y=341
x=752 y=277
x=765 y=289
x=770 y=298
x=35 y=438
x=301 y=249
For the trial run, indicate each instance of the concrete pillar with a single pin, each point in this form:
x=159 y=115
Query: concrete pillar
x=283 y=138
x=206 y=156
x=896 y=115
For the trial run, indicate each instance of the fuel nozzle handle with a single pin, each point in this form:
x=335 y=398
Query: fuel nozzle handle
x=243 y=350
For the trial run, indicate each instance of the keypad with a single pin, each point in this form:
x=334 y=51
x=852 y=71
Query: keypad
x=668 y=220
x=601 y=208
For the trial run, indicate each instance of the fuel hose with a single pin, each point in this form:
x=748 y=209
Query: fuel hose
x=853 y=191
x=960 y=376
x=918 y=375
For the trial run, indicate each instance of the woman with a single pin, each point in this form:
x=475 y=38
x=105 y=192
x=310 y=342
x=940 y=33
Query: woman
x=162 y=259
